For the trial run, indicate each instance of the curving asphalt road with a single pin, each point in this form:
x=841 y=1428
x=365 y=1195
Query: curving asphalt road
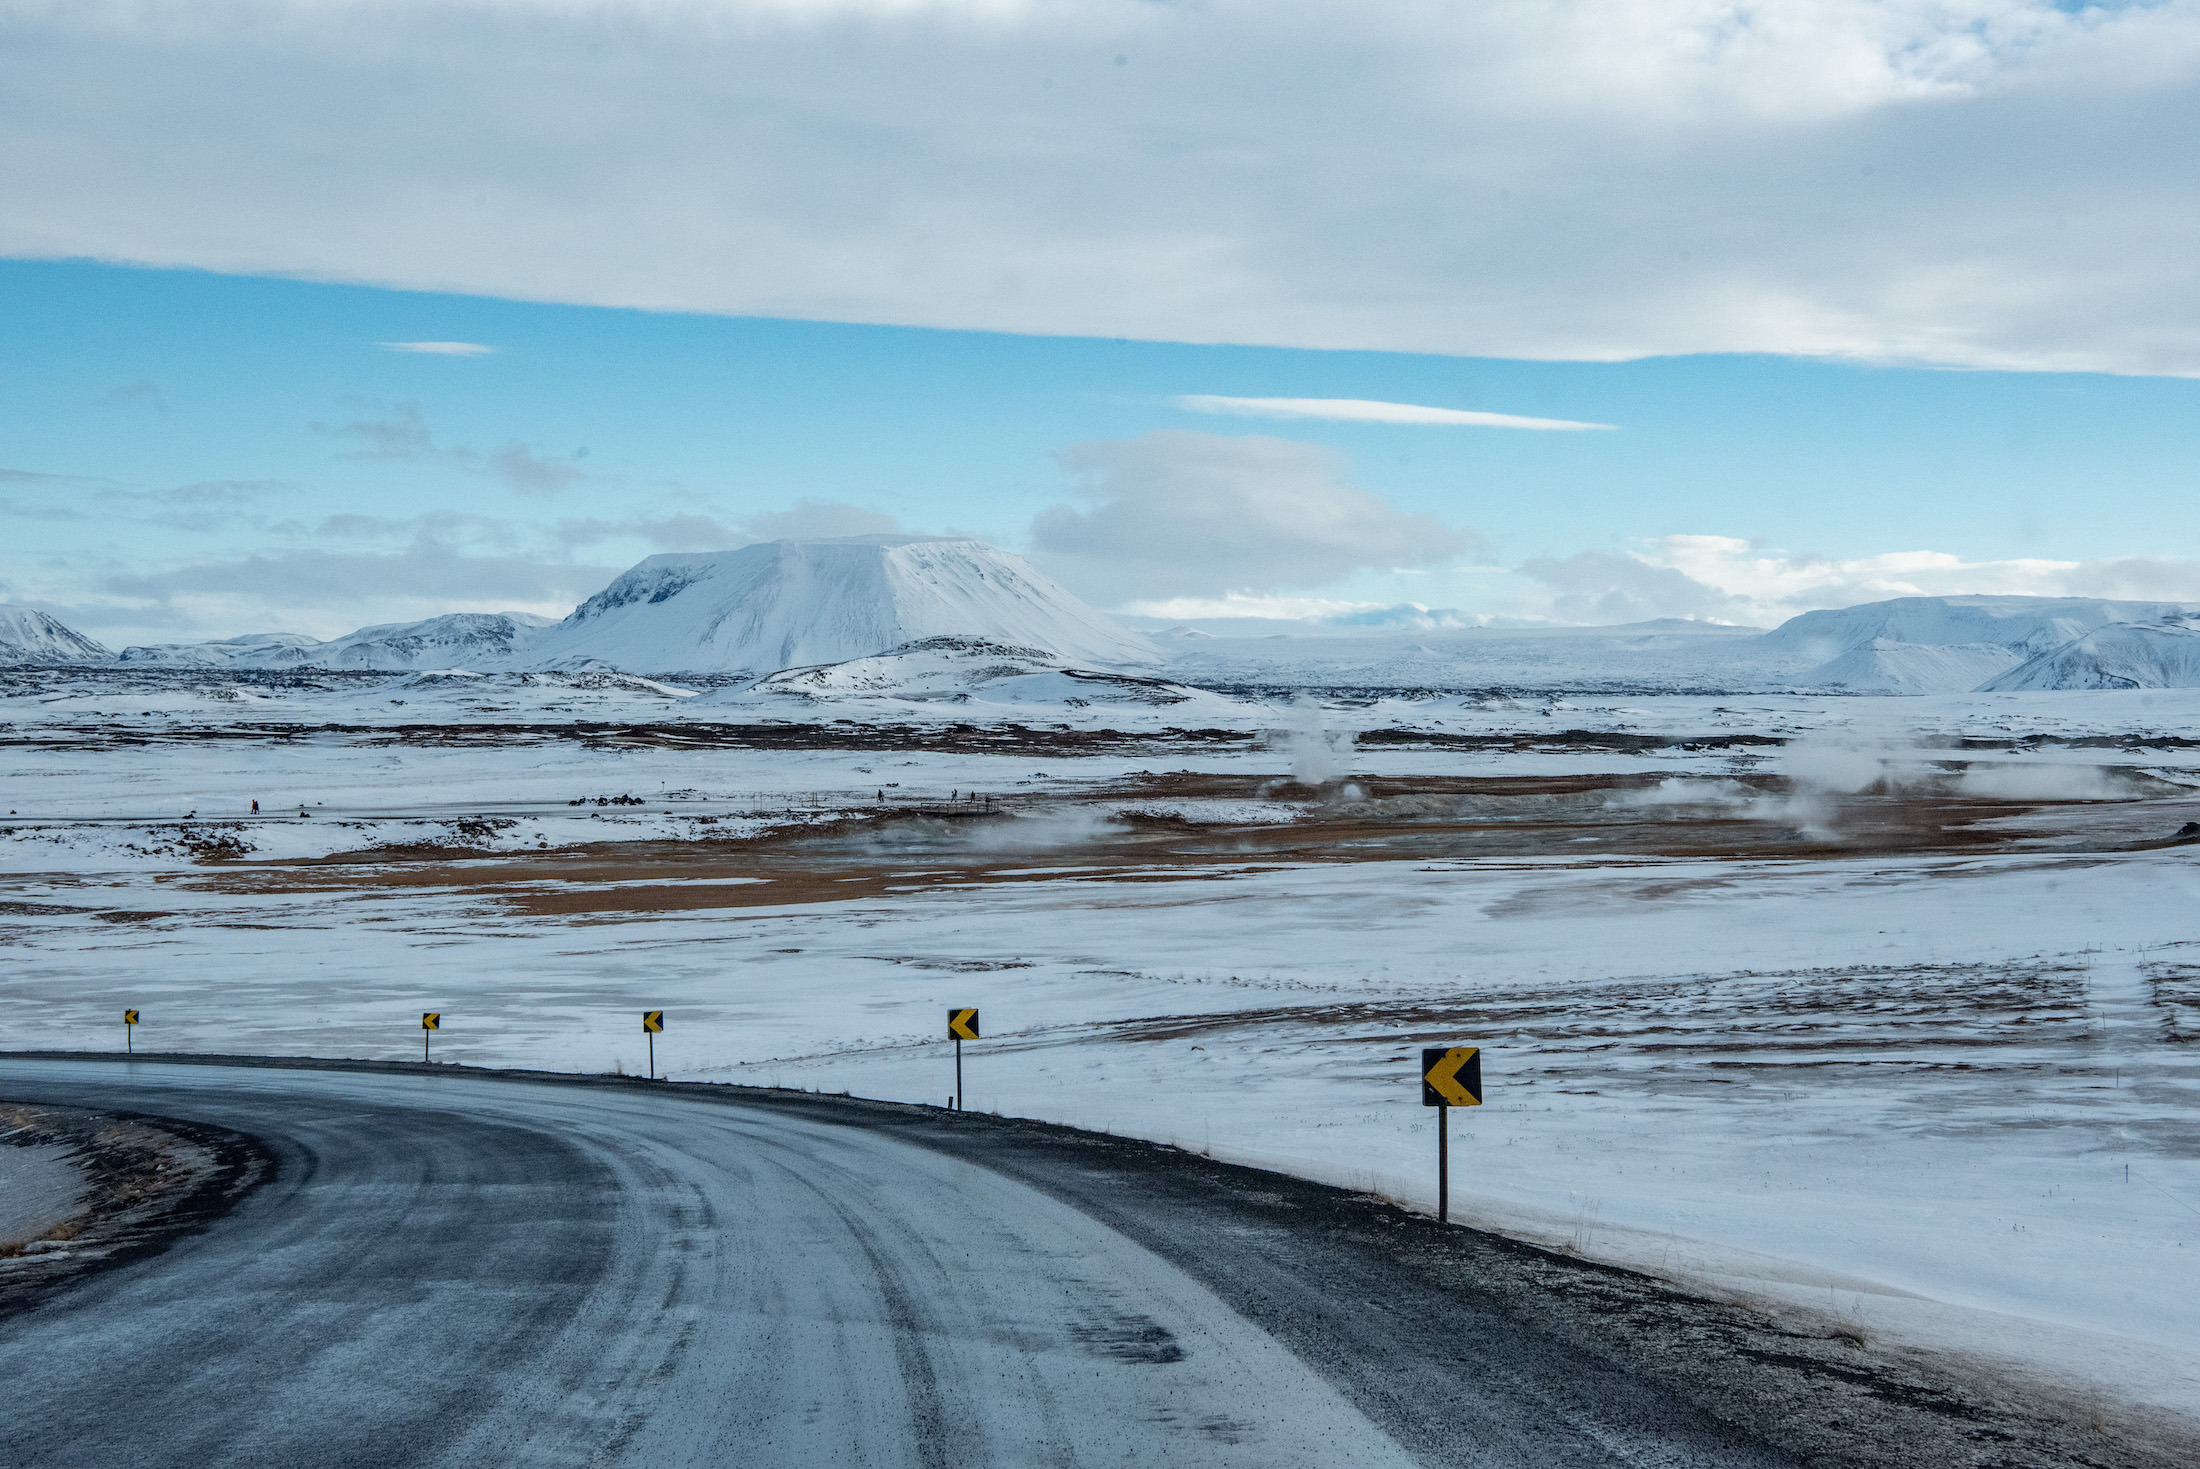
x=454 y=1270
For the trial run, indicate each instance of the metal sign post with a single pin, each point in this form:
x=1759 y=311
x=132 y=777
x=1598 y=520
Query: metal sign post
x=1451 y=1077
x=430 y=1021
x=129 y=1032
x=653 y=1021
x=962 y=1025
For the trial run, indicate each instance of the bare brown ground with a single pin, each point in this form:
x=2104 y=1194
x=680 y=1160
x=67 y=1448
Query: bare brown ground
x=893 y=850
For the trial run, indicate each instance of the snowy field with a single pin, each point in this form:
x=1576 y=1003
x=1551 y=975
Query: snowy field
x=1884 y=1009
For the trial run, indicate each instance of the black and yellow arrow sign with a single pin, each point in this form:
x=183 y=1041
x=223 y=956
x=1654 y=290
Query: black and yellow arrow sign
x=962 y=1025
x=432 y=1020
x=653 y=1021
x=129 y=1017
x=1451 y=1077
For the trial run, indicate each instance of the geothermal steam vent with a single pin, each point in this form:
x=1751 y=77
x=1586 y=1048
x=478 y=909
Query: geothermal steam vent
x=786 y=604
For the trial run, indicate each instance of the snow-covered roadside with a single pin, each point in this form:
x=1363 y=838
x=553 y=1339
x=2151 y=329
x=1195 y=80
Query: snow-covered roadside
x=1929 y=1075
x=136 y=705
x=1948 y=1097
x=40 y=1187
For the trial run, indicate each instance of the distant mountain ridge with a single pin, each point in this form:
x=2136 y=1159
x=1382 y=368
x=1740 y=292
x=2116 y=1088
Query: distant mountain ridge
x=253 y=650
x=800 y=606
x=755 y=610
x=1916 y=645
x=454 y=640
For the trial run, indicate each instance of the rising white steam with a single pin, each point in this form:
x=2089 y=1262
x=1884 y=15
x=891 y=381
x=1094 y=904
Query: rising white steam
x=2041 y=783
x=1319 y=755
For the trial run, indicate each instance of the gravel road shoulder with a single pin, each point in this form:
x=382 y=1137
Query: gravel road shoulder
x=142 y=1183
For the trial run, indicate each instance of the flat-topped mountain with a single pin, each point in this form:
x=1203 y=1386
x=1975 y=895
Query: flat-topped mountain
x=797 y=603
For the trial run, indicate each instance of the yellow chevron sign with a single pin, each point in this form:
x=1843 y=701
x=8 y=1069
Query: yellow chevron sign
x=432 y=1020
x=1451 y=1077
x=129 y=1017
x=962 y=1025
x=653 y=1021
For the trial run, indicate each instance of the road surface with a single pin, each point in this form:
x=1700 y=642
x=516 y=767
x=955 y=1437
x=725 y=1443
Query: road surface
x=459 y=1270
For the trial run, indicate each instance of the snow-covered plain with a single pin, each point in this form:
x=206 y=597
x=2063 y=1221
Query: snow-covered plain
x=1883 y=1009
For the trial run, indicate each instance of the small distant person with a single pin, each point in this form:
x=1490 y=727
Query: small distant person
x=255 y=808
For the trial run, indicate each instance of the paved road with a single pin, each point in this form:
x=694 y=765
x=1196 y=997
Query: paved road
x=448 y=1270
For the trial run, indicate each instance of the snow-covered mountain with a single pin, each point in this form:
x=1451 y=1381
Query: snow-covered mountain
x=2164 y=654
x=456 y=640
x=961 y=671
x=474 y=640
x=1923 y=645
x=29 y=636
x=784 y=604
x=253 y=650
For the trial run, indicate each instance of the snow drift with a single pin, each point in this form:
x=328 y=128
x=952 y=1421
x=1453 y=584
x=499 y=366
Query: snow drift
x=29 y=637
x=783 y=604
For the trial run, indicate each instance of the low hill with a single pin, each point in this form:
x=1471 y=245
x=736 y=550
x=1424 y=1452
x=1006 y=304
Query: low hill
x=253 y=650
x=964 y=671
x=2164 y=654
x=474 y=640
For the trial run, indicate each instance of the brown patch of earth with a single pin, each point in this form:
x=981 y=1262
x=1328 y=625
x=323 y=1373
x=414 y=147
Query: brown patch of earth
x=1149 y=828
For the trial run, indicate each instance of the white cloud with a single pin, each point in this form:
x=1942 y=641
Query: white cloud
x=1983 y=182
x=1365 y=410
x=524 y=474
x=439 y=349
x=694 y=531
x=819 y=518
x=328 y=593
x=1596 y=587
x=1725 y=579
x=1173 y=513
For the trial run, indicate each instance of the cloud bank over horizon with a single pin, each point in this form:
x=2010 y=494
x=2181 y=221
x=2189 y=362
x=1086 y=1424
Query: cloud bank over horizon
x=1984 y=183
x=1180 y=526
x=1726 y=579
x=1172 y=513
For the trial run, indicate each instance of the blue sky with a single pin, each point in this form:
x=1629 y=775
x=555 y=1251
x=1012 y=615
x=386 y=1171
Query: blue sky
x=1877 y=297
x=121 y=387
x=669 y=431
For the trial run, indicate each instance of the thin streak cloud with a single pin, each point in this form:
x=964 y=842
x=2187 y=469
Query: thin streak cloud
x=440 y=349
x=1367 y=410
